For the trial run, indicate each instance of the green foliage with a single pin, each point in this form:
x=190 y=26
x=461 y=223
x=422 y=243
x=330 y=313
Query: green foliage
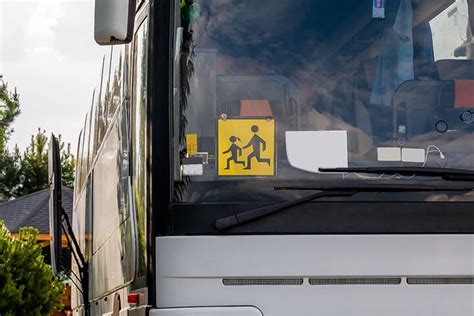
x=22 y=174
x=28 y=286
x=10 y=169
x=9 y=110
x=34 y=165
x=68 y=163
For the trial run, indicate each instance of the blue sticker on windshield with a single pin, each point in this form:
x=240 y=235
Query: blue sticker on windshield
x=378 y=9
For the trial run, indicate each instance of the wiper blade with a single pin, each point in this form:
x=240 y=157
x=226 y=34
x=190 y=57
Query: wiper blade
x=443 y=173
x=379 y=188
x=238 y=219
x=247 y=216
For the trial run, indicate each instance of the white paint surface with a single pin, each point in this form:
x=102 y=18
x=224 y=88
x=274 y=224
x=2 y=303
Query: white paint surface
x=190 y=272
x=207 y=311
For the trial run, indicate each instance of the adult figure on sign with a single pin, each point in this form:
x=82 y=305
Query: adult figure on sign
x=257 y=144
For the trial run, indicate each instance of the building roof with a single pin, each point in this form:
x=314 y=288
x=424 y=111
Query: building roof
x=33 y=210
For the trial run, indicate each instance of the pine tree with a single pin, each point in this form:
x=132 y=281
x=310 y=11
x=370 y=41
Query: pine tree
x=34 y=165
x=9 y=160
x=9 y=110
x=67 y=164
x=22 y=174
x=10 y=169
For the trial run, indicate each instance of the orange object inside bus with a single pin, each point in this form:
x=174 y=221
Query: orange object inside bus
x=255 y=108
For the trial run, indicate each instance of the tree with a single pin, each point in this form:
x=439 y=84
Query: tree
x=9 y=160
x=9 y=110
x=10 y=170
x=34 y=165
x=22 y=174
x=28 y=286
x=68 y=164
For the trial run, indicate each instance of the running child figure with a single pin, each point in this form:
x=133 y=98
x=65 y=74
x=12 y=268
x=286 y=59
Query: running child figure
x=235 y=152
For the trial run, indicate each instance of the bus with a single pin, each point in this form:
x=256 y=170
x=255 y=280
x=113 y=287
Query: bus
x=277 y=158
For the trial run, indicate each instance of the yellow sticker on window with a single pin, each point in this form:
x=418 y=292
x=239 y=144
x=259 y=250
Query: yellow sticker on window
x=192 y=144
x=246 y=147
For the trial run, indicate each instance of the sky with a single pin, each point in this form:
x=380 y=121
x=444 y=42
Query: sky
x=47 y=51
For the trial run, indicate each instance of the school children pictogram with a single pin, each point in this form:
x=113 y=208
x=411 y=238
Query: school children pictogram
x=235 y=152
x=246 y=147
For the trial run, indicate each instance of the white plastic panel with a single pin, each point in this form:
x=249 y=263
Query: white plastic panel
x=413 y=155
x=311 y=150
x=389 y=154
x=190 y=272
x=207 y=311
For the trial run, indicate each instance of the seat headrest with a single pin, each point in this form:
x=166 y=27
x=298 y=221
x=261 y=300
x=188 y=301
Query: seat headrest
x=450 y=69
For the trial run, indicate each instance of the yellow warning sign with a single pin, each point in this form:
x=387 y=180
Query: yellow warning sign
x=191 y=144
x=246 y=147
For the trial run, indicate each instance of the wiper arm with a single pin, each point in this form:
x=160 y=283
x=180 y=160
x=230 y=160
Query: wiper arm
x=247 y=216
x=380 y=188
x=443 y=173
x=327 y=191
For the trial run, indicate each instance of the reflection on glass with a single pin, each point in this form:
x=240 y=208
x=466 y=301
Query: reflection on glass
x=452 y=34
x=77 y=180
x=398 y=82
x=124 y=192
x=86 y=239
x=84 y=154
x=114 y=92
x=139 y=138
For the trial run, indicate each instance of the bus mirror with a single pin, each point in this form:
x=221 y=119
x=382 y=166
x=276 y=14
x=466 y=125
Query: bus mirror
x=114 y=21
x=55 y=205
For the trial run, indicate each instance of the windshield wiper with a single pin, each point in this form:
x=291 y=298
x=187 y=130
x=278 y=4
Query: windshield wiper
x=324 y=191
x=443 y=173
x=247 y=216
x=379 y=188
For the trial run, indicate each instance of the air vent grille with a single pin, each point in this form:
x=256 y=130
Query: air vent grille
x=356 y=281
x=244 y=282
x=321 y=281
x=440 y=280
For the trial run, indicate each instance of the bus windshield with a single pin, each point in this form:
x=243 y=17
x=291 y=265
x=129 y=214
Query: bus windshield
x=269 y=92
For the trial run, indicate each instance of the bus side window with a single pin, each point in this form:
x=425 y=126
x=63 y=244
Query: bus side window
x=102 y=117
x=84 y=151
x=139 y=139
x=78 y=167
x=115 y=85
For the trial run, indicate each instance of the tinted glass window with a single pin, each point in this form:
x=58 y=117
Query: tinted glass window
x=139 y=138
x=261 y=99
